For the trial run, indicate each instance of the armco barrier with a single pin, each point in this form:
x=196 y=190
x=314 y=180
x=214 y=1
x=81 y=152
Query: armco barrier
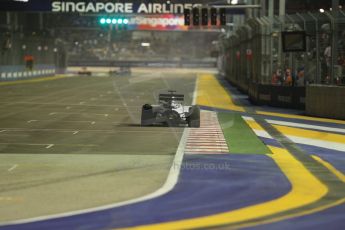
x=11 y=73
x=278 y=96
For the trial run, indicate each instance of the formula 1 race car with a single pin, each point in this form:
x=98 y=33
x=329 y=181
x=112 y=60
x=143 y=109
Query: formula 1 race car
x=170 y=111
x=122 y=71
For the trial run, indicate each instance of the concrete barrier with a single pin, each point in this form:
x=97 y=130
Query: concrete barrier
x=278 y=96
x=325 y=101
x=11 y=73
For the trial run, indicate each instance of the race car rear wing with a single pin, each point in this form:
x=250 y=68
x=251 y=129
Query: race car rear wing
x=171 y=97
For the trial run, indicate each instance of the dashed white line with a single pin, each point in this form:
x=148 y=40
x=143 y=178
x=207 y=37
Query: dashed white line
x=49 y=146
x=92 y=123
x=32 y=121
x=2 y=131
x=74 y=133
x=12 y=168
x=51 y=114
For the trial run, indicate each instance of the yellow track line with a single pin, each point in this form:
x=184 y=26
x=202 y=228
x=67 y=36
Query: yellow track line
x=213 y=94
x=300 y=117
x=330 y=167
x=298 y=132
x=303 y=213
x=38 y=79
x=253 y=125
x=337 y=173
x=306 y=189
x=311 y=134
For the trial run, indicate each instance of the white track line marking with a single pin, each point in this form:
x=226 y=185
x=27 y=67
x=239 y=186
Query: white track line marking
x=108 y=131
x=298 y=125
x=84 y=114
x=12 y=168
x=92 y=123
x=29 y=144
x=51 y=114
x=49 y=146
x=2 y=131
x=32 y=121
x=74 y=133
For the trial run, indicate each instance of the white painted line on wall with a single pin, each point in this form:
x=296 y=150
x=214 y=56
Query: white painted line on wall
x=12 y=168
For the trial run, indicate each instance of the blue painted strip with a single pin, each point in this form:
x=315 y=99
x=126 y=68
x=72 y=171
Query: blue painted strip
x=208 y=184
x=332 y=218
x=269 y=141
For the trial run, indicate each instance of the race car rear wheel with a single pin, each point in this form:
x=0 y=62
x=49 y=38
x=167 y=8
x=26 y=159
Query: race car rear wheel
x=194 y=117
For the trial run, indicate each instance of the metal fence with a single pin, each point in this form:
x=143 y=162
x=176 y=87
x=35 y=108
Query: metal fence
x=16 y=45
x=253 y=53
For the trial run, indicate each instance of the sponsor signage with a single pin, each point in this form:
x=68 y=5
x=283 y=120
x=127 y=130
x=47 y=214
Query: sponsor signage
x=120 y=7
x=100 y=6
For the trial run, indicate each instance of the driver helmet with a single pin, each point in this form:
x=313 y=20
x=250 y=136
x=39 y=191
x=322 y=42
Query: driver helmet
x=175 y=104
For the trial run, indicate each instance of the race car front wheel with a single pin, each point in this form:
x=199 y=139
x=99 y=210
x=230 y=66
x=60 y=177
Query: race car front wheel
x=194 y=117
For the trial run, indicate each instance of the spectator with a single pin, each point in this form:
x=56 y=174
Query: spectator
x=288 y=78
x=300 y=77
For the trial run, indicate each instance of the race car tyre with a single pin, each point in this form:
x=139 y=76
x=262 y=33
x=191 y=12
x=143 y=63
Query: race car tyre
x=147 y=115
x=194 y=117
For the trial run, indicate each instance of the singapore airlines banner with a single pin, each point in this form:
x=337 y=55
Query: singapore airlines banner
x=121 y=7
x=99 y=6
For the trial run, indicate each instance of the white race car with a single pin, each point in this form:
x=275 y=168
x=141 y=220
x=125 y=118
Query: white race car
x=170 y=111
